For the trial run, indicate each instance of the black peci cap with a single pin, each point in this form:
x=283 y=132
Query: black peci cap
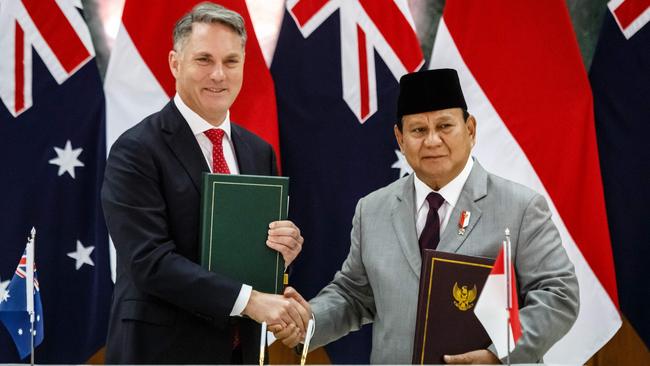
x=429 y=90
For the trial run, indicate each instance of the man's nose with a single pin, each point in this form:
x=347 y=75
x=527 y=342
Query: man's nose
x=432 y=138
x=218 y=72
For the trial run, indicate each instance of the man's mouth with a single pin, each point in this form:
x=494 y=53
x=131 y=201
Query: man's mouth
x=216 y=90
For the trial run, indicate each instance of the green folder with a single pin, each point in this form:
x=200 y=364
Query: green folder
x=235 y=214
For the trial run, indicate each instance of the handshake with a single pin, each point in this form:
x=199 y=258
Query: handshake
x=286 y=315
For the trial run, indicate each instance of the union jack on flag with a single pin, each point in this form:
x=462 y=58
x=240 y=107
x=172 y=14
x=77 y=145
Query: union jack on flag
x=55 y=30
x=366 y=26
x=21 y=270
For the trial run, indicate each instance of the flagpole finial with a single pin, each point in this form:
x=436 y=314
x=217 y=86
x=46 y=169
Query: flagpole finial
x=33 y=231
x=507 y=232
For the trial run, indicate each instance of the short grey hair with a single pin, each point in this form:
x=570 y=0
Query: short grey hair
x=209 y=13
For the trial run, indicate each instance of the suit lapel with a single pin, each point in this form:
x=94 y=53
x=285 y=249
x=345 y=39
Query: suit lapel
x=181 y=141
x=242 y=151
x=403 y=218
x=474 y=189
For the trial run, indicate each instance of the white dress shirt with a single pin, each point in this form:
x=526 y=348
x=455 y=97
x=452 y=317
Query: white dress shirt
x=450 y=192
x=198 y=126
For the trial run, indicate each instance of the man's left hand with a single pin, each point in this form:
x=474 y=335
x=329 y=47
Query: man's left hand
x=478 y=357
x=284 y=236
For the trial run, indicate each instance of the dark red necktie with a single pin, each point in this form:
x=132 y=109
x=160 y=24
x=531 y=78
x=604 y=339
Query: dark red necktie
x=430 y=235
x=219 y=164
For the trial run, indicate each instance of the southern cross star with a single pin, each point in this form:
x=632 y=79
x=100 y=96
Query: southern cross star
x=82 y=255
x=4 y=293
x=402 y=164
x=67 y=159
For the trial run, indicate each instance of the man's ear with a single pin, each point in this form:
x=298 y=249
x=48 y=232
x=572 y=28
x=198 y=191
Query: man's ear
x=173 y=59
x=399 y=137
x=471 y=128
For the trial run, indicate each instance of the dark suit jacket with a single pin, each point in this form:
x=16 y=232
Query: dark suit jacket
x=166 y=308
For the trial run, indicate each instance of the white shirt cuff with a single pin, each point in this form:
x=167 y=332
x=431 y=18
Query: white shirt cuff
x=270 y=338
x=242 y=300
x=313 y=329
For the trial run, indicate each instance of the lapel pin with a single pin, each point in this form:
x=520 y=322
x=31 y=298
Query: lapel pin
x=463 y=222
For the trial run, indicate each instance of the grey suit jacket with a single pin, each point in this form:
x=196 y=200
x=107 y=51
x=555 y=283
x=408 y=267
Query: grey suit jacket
x=378 y=282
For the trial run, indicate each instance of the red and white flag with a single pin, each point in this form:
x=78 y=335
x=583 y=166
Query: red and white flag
x=497 y=303
x=523 y=77
x=139 y=82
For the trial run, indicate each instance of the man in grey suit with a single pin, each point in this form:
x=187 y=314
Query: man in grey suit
x=378 y=282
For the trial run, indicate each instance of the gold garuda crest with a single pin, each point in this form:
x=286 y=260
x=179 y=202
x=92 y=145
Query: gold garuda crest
x=464 y=297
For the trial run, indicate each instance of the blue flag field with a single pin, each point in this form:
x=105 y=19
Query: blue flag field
x=52 y=152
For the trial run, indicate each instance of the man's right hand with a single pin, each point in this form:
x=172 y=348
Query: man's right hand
x=478 y=357
x=278 y=310
x=290 y=335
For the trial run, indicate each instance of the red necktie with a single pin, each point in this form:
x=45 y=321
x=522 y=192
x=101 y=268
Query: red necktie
x=219 y=164
x=430 y=235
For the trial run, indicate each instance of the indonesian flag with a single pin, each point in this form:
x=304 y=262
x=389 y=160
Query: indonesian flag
x=524 y=80
x=497 y=302
x=139 y=82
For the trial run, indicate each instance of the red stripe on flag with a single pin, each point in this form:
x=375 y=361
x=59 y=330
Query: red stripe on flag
x=531 y=70
x=498 y=268
x=19 y=70
x=304 y=10
x=157 y=25
x=57 y=32
x=396 y=30
x=363 y=73
x=629 y=10
x=515 y=324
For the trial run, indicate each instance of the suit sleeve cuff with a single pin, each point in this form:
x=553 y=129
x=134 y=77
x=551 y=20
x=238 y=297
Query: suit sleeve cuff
x=242 y=300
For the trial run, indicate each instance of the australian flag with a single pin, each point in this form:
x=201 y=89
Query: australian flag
x=52 y=153
x=336 y=70
x=620 y=80
x=13 y=309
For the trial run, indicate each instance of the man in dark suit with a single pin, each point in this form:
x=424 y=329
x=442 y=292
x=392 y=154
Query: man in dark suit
x=166 y=308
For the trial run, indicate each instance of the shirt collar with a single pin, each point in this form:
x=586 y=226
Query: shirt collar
x=450 y=192
x=197 y=124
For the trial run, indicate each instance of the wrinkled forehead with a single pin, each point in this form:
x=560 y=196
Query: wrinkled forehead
x=434 y=116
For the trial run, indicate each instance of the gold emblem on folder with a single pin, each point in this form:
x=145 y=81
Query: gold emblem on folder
x=464 y=297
